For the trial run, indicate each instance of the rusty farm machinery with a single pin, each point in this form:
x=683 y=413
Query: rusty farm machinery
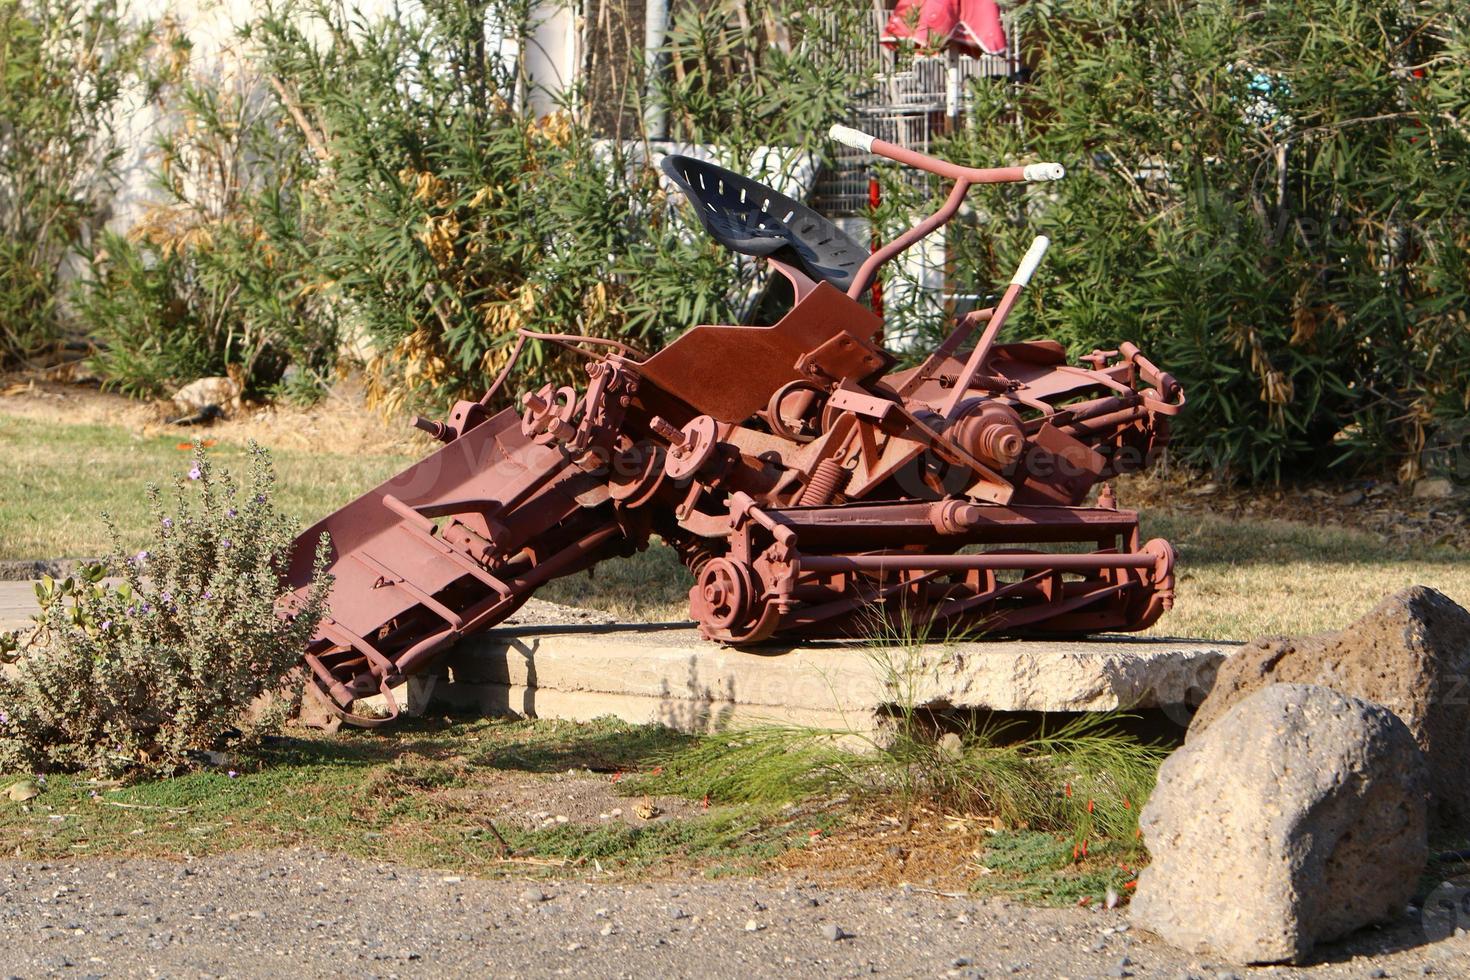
x=811 y=487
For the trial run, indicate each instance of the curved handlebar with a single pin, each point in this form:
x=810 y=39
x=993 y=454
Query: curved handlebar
x=858 y=140
x=963 y=177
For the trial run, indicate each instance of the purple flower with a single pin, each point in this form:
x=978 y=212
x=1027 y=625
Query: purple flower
x=143 y=609
x=93 y=794
x=166 y=596
x=4 y=718
x=208 y=594
x=106 y=625
x=140 y=557
x=224 y=542
x=231 y=512
x=130 y=611
x=168 y=522
x=233 y=774
x=260 y=498
x=194 y=472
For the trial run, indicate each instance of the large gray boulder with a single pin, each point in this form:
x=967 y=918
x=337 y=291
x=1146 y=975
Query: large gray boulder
x=1296 y=818
x=1411 y=654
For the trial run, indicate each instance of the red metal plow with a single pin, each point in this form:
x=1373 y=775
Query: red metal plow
x=811 y=489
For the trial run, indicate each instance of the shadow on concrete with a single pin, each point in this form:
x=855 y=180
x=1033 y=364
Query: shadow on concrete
x=701 y=707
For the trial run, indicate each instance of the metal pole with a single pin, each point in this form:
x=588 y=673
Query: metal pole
x=655 y=29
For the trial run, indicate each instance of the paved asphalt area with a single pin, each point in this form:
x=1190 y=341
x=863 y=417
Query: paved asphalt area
x=306 y=914
x=17 y=602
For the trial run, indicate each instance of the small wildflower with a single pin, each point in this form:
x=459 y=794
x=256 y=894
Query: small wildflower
x=4 y=718
x=41 y=778
x=260 y=498
x=131 y=611
x=143 y=609
x=168 y=522
x=208 y=594
x=92 y=793
x=231 y=512
x=106 y=625
x=166 y=596
x=194 y=472
x=232 y=774
x=224 y=543
x=140 y=557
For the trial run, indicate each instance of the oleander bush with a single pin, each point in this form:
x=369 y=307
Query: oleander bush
x=1268 y=197
x=218 y=276
x=451 y=214
x=143 y=664
x=65 y=69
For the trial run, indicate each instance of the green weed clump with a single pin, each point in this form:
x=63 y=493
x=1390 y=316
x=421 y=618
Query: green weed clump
x=1085 y=778
x=140 y=676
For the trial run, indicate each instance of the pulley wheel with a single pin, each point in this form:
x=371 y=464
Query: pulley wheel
x=723 y=595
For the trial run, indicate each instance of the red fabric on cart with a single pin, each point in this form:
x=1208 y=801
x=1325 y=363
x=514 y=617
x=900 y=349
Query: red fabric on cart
x=970 y=26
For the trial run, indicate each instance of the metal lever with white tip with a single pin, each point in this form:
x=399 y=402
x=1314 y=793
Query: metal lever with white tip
x=997 y=320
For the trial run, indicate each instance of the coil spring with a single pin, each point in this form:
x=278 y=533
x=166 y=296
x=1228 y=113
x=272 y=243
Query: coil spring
x=828 y=478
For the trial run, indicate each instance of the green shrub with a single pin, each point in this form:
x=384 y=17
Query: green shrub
x=218 y=277
x=139 y=677
x=451 y=216
x=64 y=67
x=1265 y=196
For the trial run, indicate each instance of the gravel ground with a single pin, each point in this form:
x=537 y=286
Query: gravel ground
x=301 y=913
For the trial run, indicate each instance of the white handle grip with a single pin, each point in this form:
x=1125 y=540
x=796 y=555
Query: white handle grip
x=1031 y=260
x=856 y=139
x=1045 y=171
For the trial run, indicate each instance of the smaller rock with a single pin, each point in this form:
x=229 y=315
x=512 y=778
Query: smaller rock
x=606 y=930
x=752 y=926
x=960 y=961
x=533 y=895
x=1433 y=488
x=1328 y=790
x=951 y=744
x=835 y=933
x=24 y=790
x=1351 y=499
x=1378 y=973
x=678 y=913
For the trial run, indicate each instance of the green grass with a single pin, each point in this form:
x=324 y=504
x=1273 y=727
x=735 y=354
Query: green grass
x=1045 y=869
x=60 y=477
x=421 y=793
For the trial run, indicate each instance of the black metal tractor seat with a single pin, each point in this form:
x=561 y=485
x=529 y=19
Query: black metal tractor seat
x=748 y=217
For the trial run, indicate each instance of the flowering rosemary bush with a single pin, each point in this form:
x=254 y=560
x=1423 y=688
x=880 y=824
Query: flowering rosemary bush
x=138 y=673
